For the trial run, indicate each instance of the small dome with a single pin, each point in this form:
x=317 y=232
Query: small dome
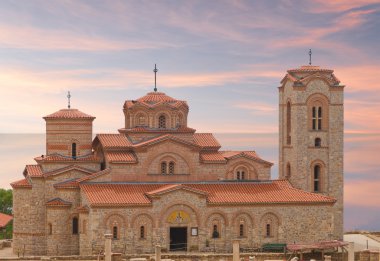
x=69 y=114
x=155 y=97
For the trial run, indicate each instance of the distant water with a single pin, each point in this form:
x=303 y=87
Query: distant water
x=362 y=167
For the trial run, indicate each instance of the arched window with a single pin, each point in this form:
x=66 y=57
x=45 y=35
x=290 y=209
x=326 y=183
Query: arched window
x=141 y=120
x=163 y=167
x=114 y=232
x=288 y=171
x=142 y=232
x=75 y=226
x=268 y=230
x=317 y=142
x=50 y=228
x=317 y=118
x=215 y=232
x=241 y=230
x=162 y=122
x=240 y=175
x=317 y=178
x=288 y=124
x=74 y=150
x=171 y=167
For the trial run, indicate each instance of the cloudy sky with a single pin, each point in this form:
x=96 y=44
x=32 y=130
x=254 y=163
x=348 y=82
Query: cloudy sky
x=226 y=58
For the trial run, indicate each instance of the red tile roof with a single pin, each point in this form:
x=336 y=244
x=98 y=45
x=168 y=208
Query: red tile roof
x=172 y=187
x=298 y=75
x=309 y=68
x=153 y=99
x=5 y=219
x=212 y=157
x=163 y=138
x=158 y=130
x=68 y=184
x=94 y=175
x=121 y=157
x=271 y=192
x=57 y=158
x=69 y=114
x=23 y=183
x=206 y=141
x=33 y=171
x=248 y=154
x=112 y=141
x=66 y=169
x=117 y=194
x=58 y=202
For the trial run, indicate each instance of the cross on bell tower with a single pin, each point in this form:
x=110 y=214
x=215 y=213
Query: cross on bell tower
x=310 y=53
x=68 y=99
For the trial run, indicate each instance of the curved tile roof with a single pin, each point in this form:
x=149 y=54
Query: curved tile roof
x=69 y=114
x=270 y=192
x=23 y=183
x=5 y=219
x=33 y=171
x=153 y=99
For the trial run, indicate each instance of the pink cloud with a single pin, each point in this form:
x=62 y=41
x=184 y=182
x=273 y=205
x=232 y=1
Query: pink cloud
x=315 y=36
x=28 y=37
x=322 y=6
x=362 y=193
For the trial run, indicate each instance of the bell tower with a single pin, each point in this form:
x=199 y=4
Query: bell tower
x=311 y=135
x=69 y=132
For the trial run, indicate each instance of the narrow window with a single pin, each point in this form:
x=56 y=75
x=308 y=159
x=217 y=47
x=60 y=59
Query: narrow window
x=75 y=226
x=162 y=122
x=317 y=142
x=163 y=167
x=114 y=232
x=268 y=234
x=288 y=171
x=242 y=175
x=238 y=175
x=314 y=118
x=171 y=167
x=50 y=227
x=288 y=124
x=317 y=118
x=84 y=228
x=103 y=165
x=74 y=150
x=215 y=232
x=142 y=232
x=241 y=230
x=317 y=178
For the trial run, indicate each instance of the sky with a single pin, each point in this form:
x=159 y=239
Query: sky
x=225 y=58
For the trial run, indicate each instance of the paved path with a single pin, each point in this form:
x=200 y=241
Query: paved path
x=7 y=252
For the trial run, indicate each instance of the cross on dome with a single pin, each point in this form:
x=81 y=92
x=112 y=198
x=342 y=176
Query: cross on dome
x=155 y=77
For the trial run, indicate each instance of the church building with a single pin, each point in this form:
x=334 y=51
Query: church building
x=158 y=181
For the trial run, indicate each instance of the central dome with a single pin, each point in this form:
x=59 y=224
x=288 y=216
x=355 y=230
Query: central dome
x=155 y=97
